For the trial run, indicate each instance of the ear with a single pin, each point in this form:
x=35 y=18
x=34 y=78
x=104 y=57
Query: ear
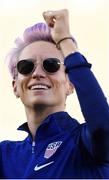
x=14 y=85
x=70 y=88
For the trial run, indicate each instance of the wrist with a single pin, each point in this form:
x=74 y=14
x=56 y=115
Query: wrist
x=67 y=45
x=58 y=44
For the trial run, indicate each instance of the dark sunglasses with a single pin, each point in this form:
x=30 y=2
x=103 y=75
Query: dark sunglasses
x=27 y=66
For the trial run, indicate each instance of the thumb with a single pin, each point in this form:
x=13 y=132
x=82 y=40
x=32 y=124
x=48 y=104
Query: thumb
x=49 y=18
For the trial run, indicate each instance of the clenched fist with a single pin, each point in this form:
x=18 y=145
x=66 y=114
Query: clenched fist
x=59 y=23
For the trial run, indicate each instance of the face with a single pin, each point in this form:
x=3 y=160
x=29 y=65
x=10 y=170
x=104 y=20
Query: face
x=40 y=87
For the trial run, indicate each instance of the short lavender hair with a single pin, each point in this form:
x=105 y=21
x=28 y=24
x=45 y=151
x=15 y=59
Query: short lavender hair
x=37 y=32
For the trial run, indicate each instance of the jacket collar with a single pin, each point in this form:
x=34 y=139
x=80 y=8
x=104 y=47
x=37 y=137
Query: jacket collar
x=53 y=124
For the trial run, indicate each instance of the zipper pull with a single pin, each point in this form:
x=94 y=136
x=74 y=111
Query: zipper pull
x=33 y=147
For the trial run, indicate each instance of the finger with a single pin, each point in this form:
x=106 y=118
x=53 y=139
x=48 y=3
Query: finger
x=48 y=13
x=49 y=18
x=56 y=14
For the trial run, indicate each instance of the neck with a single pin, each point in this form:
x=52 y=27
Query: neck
x=36 y=115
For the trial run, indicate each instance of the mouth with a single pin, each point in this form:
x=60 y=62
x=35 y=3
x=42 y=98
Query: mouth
x=39 y=87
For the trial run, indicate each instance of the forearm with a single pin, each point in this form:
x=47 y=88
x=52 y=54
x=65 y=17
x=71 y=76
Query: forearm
x=68 y=46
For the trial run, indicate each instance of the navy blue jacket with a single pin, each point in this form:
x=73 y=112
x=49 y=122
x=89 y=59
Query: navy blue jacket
x=63 y=148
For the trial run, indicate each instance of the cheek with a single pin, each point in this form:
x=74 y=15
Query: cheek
x=59 y=83
x=21 y=85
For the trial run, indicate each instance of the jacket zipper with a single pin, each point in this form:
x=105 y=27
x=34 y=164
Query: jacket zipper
x=33 y=147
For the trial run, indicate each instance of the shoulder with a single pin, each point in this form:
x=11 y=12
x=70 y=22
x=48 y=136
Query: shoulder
x=86 y=137
x=8 y=144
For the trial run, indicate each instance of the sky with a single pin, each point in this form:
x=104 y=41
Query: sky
x=89 y=25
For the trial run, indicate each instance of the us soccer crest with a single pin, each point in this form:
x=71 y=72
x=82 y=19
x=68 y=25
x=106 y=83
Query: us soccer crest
x=51 y=149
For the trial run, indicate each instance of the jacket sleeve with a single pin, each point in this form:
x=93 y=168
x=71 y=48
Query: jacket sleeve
x=93 y=103
x=1 y=170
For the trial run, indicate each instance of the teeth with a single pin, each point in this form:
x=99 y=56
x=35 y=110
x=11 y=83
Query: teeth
x=39 y=87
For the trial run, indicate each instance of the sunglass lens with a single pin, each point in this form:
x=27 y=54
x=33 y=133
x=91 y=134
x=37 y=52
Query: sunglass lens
x=51 y=65
x=25 y=67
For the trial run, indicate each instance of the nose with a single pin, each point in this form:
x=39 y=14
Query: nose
x=38 y=72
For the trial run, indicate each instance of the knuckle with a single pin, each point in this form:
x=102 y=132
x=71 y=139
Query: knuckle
x=65 y=11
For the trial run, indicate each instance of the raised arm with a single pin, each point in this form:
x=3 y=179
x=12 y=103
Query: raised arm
x=90 y=95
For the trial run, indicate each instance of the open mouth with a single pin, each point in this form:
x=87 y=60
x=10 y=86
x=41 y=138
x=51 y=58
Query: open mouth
x=39 y=87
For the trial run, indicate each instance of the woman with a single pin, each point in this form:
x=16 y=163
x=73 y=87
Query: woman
x=46 y=66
